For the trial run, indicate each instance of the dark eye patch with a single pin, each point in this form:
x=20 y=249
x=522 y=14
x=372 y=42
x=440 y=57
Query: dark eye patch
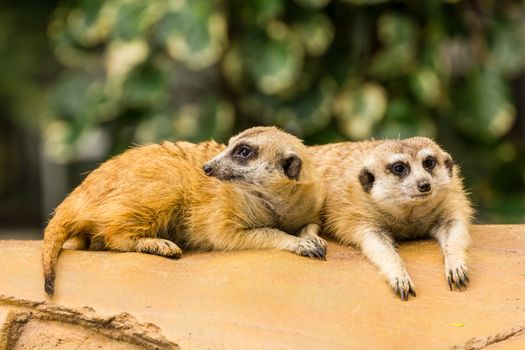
x=244 y=152
x=429 y=163
x=400 y=169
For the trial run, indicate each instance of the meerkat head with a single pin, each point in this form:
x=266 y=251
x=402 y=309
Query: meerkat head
x=258 y=156
x=401 y=173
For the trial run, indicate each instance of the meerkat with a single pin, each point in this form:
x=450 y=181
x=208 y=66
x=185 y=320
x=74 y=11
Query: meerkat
x=380 y=192
x=259 y=192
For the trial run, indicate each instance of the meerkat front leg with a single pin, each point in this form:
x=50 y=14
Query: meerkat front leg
x=454 y=239
x=271 y=238
x=379 y=248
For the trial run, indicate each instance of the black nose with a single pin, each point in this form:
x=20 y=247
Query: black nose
x=207 y=169
x=423 y=187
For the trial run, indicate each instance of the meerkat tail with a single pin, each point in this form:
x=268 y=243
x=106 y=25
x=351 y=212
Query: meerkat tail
x=54 y=238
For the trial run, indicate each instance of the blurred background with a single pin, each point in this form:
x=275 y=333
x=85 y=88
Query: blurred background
x=81 y=81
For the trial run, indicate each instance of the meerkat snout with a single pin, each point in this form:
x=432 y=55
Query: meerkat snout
x=424 y=186
x=208 y=169
x=239 y=163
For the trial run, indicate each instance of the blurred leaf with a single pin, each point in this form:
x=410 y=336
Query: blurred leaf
x=398 y=35
x=233 y=68
x=314 y=4
x=212 y=119
x=273 y=59
x=84 y=24
x=261 y=11
x=262 y=108
x=316 y=32
x=392 y=62
x=359 y=108
x=309 y=112
x=395 y=29
x=57 y=141
x=508 y=48
x=132 y=19
x=71 y=95
x=365 y=2
x=122 y=57
x=194 y=32
x=145 y=87
x=426 y=86
x=403 y=120
x=156 y=128
x=67 y=50
x=483 y=106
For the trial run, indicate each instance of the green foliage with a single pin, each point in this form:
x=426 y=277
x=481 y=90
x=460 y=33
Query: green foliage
x=326 y=70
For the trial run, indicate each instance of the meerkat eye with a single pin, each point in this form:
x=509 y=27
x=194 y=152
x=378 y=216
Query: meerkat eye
x=243 y=152
x=429 y=163
x=399 y=168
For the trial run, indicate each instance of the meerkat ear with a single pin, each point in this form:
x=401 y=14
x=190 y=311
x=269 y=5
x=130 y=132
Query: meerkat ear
x=366 y=178
x=449 y=164
x=292 y=165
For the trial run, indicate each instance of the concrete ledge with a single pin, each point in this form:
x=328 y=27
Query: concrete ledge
x=39 y=325
x=271 y=299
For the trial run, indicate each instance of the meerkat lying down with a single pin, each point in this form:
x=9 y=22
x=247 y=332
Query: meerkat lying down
x=260 y=191
x=379 y=192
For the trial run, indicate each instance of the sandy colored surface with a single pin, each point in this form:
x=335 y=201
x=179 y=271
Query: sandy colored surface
x=271 y=299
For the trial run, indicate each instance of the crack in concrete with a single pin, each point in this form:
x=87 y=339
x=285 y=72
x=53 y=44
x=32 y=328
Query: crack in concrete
x=477 y=343
x=122 y=327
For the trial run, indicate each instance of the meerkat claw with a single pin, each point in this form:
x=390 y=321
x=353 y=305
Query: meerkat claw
x=461 y=282
x=405 y=295
x=403 y=288
x=463 y=278
x=312 y=249
x=458 y=277
x=321 y=253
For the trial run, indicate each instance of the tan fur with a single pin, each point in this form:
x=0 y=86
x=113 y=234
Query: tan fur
x=388 y=212
x=157 y=198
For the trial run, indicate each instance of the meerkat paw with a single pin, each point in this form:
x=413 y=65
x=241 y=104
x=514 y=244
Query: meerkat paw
x=158 y=246
x=312 y=247
x=456 y=274
x=318 y=241
x=403 y=286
